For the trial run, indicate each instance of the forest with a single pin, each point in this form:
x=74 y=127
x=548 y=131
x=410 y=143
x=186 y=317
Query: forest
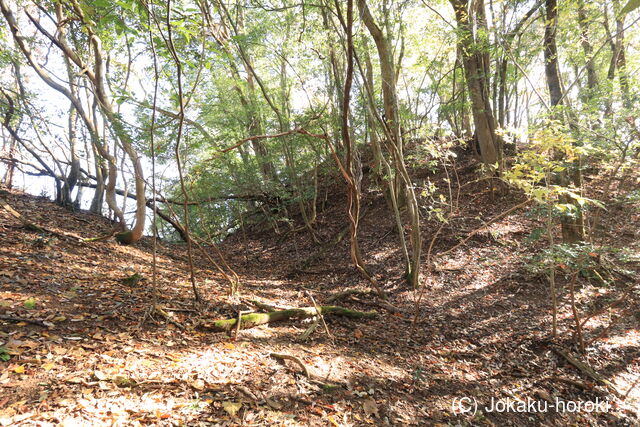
x=320 y=212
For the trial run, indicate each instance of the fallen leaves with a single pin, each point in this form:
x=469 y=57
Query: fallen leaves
x=231 y=408
x=198 y=384
x=370 y=407
x=100 y=376
x=332 y=421
x=94 y=360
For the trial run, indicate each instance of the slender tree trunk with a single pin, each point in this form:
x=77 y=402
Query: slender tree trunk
x=551 y=70
x=587 y=47
x=349 y=172
x=572 y=226
x=9 y=146
x=394 y=141
x=74 y=171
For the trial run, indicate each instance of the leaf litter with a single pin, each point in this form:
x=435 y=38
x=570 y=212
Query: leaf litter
x=483 y=333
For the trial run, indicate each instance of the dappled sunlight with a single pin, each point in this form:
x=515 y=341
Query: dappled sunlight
x=484 y=330
x=389 y=213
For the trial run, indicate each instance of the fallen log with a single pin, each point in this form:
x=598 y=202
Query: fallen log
x=588 y=371
x=28 y=225
x=255 y=319
x=24 y=319
x=349 y=292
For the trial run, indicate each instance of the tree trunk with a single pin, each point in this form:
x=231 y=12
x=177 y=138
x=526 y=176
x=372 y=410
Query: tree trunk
x=74 y=172
x=572 y=226
x=587 y=47
x=475 y=64
x=391 y=124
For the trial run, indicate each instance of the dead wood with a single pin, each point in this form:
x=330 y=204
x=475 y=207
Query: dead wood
x=266 y=307
x=29 y=225
x=380 y=304
x=350 y=294
x=255 y=319
x=23 y=319
x=295 y=359
x=347 y=293
x=588 y=371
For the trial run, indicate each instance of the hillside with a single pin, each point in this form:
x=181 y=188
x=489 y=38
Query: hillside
x=320 y=213
x=81 y=350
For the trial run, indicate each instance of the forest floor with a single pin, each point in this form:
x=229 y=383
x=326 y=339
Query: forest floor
x=483 y=331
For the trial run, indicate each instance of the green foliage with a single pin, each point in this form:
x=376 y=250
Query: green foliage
x=30 y=303
x=550 y=151
x=630 y=6
x=132 y=280
x=597 y=264
x=4 y=354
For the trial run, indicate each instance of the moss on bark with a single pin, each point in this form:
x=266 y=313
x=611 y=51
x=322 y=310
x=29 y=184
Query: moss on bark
x=255 y=319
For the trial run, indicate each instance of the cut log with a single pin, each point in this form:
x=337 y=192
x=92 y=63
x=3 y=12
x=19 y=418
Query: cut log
x=255 y=319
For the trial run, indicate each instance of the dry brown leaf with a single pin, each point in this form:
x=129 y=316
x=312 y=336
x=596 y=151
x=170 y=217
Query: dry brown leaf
x=198 y=384
x=100 y=376
x=370 y=407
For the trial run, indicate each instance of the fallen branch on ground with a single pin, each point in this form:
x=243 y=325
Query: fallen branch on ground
x=570 y=381
x=347 y=293
x=294 y=359
x=256 y=319
x=162 y=313
x=32 y=226
x=307 y=333
x=350 y=294
x=381 y=304
x=588 y=371
x=326 y=328
x=310 y=377
x=266 y=307
x=23 y=319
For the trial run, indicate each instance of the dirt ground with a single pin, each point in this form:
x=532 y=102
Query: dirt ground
x=82 y=355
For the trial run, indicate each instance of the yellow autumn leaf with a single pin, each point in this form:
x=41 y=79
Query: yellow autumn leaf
x=231 y=408
x=19 y=369
x=332 y=421
x=229 y=346
x=48 y=366
x=173 y=357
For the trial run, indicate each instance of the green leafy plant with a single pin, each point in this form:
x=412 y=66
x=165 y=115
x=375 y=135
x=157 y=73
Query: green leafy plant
x=4 y=354
x=30 y=303
x=596 y=264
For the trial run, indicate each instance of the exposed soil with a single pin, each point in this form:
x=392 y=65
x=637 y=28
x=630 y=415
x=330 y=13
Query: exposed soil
x=483 y=330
